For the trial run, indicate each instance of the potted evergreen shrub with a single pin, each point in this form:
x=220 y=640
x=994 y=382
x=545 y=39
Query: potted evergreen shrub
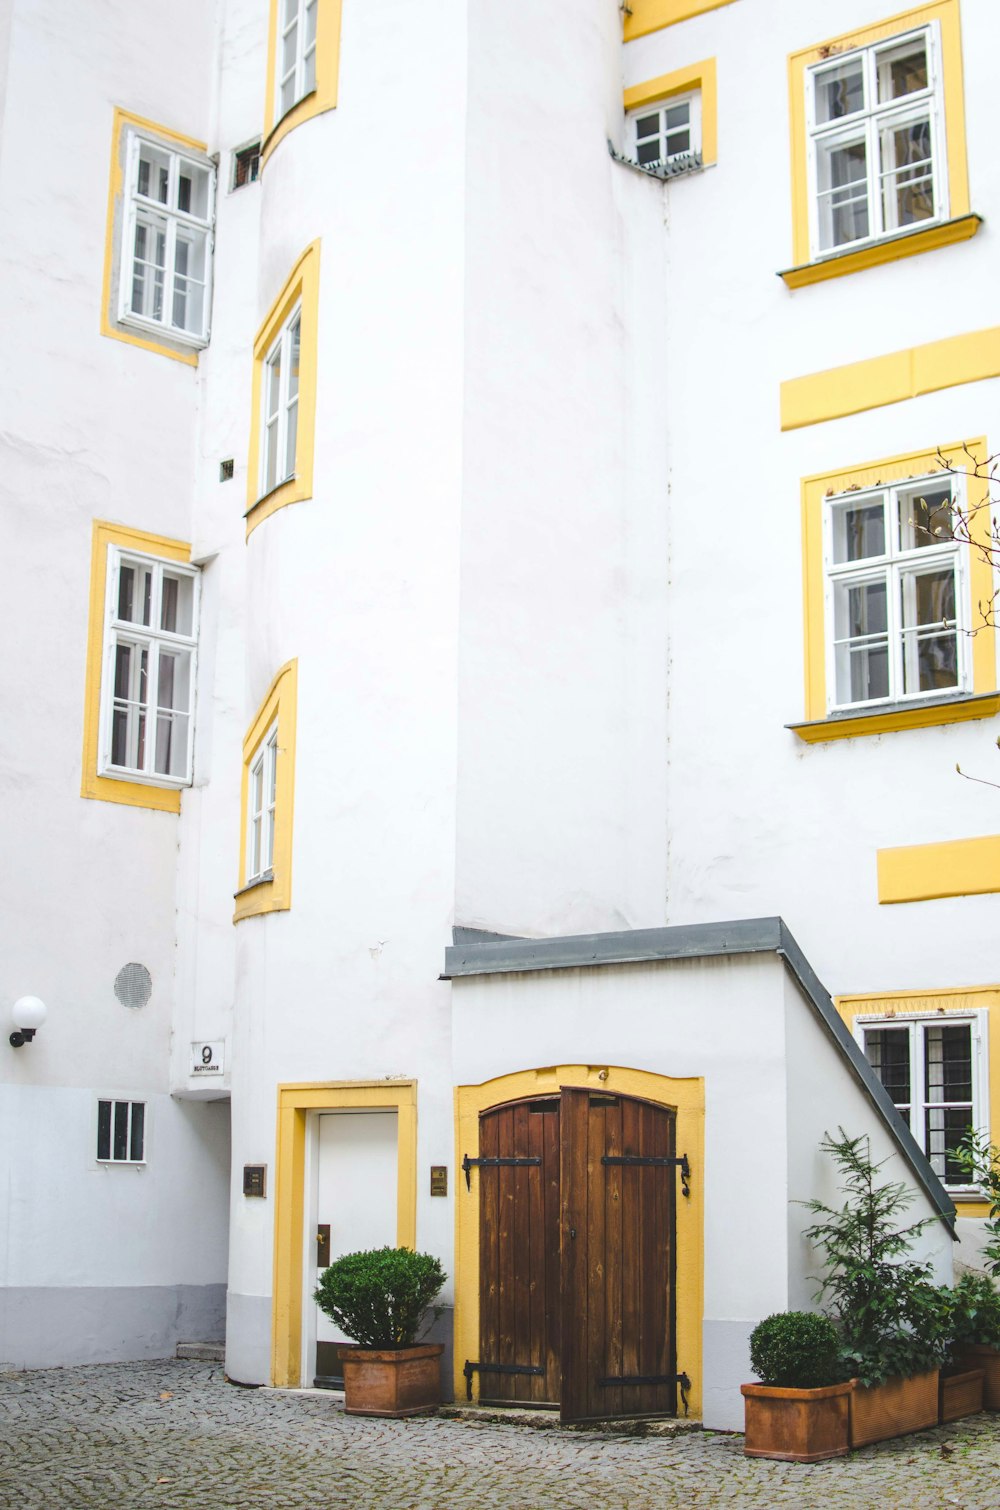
x=892 y=1323
x=975 y=1349
x=799 y=1411
x=978 y=1323
x=379 y=1297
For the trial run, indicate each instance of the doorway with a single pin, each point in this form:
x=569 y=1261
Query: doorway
x=577 y=1245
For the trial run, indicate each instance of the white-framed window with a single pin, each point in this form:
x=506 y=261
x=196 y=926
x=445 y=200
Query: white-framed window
x=149 y=664
x=261 y=802
x=896 y=594
x=666 y=132
x=296 y=53
x=875 y=120
x=934 y=1067
x=121 y=1132
x=165 y=271
x=280 y=395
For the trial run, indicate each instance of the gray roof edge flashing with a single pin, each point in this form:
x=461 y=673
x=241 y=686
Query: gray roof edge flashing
x=830 y=1019
x=629 y=946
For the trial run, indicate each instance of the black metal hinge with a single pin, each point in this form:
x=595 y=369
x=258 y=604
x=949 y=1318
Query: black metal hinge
x=467 y=1165
x=496 y=1368
x=635 y=1158
x=635 y=1379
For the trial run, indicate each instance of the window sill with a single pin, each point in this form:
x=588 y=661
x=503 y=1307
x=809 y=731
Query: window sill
x=293 y=489
x=170 y=333
x=889 y=249
x=261 y=880
x=887 y=720
x=267 y=893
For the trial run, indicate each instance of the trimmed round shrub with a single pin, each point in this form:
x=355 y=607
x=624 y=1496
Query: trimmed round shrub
x=379 y=1297
x=796 y=1350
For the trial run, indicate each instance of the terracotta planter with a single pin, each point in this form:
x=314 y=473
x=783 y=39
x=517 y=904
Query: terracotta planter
x=392 y=1381
x=960 y=1393
x=979 y=1355
x=894 y=1408
x=797 y=1425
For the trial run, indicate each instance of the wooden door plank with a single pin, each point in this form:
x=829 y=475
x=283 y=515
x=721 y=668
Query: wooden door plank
x=631 y=1233
x=613 y=1258
x=596 y=1355
x=505 y=1234
x=552 y=1253
x=489 y=1273
x=523 y=1176
x=573 y=1173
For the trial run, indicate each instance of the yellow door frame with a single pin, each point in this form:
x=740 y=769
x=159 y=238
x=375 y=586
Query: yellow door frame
x=685 y=1097
x=295 y=1102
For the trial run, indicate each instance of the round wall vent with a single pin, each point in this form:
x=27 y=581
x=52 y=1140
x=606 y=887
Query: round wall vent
x=133 y=985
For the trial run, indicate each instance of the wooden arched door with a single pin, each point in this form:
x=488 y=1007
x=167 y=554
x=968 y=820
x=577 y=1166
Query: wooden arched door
x=577 y=1261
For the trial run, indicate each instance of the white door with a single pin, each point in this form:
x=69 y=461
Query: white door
x=356 y=1179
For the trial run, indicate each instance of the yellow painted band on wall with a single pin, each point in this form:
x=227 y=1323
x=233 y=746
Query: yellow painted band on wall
x=163 y=799
x=890 y=379
x=295 y=1104
x=700 y=76
x=946 y=13
x=123 y=120
x=280 y=704
x=686 y=1097
x=301 y=286
x=963 y=999
x=643 y=16
x=924 y=872
x=324 y=96
x=960 y=455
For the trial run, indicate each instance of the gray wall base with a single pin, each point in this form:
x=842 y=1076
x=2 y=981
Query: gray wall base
x=51 y=1328
x=248 y=1338
x=725 y=1355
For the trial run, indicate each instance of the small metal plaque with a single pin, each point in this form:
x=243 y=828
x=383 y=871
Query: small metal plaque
x=254 y=1179
x=439 y=1179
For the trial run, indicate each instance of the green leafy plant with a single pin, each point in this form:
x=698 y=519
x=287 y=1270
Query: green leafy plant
x=379 y=1297
x=975 y=1312
x=979 y=1161
x=796 y=1350
x=892 y=1319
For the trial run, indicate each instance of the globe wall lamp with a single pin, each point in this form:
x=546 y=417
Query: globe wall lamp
x=27 y=1014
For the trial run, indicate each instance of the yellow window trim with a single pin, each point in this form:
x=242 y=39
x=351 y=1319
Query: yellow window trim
x=109 y=788
x=943 y=11
x=964 y=999
x=324 y=96
x=889 y=249
x=302 y=286
x=890 y=379
x=867 y=475
x=925 y=872
x=930 y=715
x=686 y=1097
x=295 y=1102
x=700 y=76
x=644 y=16
x=124 y=121
x=280 y=706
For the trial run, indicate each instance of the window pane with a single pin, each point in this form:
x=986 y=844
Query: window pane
x=902 y=70
x=289 y=47
x=843 y=193
x=930 y=642
x=907 y=177
x=193 y=189
x=119 y=1148
x=678 y=116
x=148 y=266
x=858 y=531
x=949 y=1062
x=944 y=1129
x=177 y=603
x=647 y=125
x=309 y=71
x=648 y=152
x=862 y=648
x=888 y=1052
x=840 y=91
x=138 y=1129
x=154 y=173
x=104 y=1129
x=925 y=516
x=189 y=280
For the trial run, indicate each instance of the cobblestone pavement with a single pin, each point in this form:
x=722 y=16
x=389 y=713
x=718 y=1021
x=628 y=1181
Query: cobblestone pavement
x=175 y=1436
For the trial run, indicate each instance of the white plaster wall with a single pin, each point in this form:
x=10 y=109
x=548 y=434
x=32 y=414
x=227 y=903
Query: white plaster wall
x=760 y=823
x=360 y=584
x=561 y=800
